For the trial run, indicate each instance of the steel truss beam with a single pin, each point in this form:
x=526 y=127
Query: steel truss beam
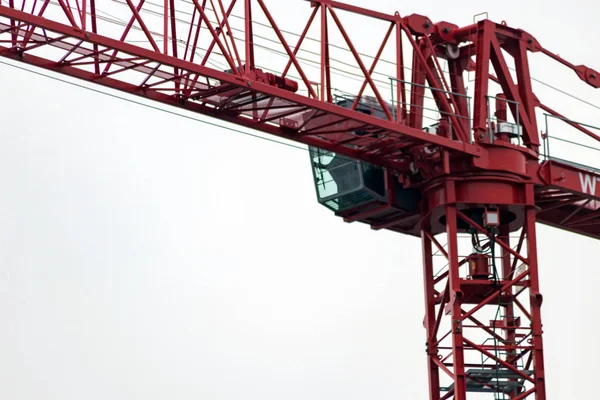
x=483 y=335
x=205 y=56
x=144 y=68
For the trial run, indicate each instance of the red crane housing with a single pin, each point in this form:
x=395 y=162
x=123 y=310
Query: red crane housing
x=480 y=176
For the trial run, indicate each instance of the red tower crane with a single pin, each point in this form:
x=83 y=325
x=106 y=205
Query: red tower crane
x=482 y=172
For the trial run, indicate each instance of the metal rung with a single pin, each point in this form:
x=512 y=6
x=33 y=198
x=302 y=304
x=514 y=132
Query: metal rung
x=498 y=378
x=493 y=373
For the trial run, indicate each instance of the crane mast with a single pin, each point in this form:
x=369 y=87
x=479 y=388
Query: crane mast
x=478 y=179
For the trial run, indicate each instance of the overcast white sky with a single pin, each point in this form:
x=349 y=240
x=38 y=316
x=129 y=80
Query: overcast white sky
x=148 y=256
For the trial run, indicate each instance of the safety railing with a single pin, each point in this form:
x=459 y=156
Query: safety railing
x=429 y=113
x=508 y=124
x=579 y=146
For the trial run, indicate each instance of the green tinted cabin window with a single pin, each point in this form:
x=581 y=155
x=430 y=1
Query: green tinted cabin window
x=341 y=182
x=335 y=175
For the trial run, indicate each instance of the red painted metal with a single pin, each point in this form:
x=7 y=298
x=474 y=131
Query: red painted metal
x=479 y=325
x=454 y=347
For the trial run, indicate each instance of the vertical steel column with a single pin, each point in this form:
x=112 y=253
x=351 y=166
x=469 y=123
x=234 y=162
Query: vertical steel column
x=455 y=301
x=535 y=297
x=417 y=92
x=400 y=84
x=482 y=68
x=430 y=315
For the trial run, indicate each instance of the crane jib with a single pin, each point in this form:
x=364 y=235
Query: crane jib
x=395 y=141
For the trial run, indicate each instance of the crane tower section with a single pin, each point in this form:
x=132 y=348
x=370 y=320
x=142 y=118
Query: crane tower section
x=415 y=152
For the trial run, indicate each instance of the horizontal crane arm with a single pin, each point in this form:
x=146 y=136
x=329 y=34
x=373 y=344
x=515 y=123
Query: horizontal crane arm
x=258 y=100
x=568 y=197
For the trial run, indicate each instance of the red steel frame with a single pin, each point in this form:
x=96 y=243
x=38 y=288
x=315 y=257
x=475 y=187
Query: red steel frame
x=456 y=168
x=456 y=302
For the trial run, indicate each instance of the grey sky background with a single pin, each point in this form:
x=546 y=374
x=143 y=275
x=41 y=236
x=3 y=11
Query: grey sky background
x=147 y=256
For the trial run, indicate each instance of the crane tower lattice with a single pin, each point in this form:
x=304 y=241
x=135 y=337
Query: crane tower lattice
x=481 y=170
